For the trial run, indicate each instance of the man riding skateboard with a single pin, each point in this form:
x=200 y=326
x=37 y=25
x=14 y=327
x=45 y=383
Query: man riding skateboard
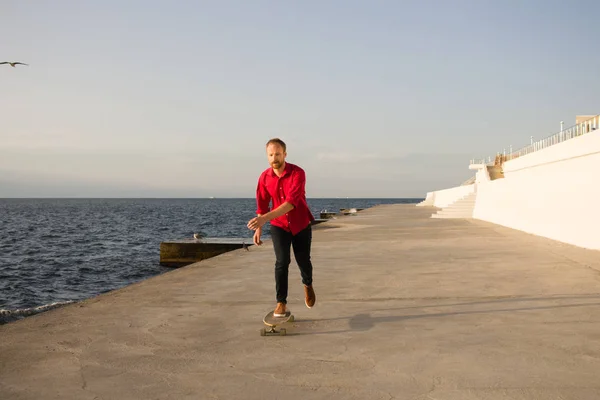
x=284 y=184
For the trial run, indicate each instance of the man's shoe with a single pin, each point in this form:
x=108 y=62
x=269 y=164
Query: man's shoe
x=280 y=310
x=309 y=296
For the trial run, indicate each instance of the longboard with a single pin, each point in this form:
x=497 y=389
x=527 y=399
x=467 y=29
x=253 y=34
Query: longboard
x=271 y=321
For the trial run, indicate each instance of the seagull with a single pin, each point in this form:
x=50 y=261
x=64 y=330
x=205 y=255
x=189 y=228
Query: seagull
x=13 y=63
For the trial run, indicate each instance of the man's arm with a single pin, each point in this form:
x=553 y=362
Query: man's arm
x=257 y=233
x=263 y=198
x=297 y=188
x=258 y=222
x=278 y=212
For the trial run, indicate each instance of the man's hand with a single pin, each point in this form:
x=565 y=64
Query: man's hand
x=256 y=237
x=256 y=223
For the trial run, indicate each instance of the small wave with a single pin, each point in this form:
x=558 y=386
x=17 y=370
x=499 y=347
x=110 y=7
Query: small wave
x=50 y=236
x=33 y=310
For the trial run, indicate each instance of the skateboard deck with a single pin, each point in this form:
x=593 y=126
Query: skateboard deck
x=271 y=321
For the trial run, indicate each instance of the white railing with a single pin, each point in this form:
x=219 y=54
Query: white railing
x=565 y=134
x=576 y=130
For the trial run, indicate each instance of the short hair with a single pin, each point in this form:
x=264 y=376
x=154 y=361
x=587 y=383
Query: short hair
x=276 y=141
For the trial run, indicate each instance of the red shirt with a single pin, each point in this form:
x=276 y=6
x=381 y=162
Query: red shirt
x=289 y=187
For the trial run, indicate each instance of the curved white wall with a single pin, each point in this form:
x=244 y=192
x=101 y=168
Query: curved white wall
x=554 y=192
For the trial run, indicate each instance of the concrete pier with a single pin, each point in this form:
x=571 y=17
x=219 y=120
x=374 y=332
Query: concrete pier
x=346 y=211
x=408 y=307
x=179 y=253
x=327 y=214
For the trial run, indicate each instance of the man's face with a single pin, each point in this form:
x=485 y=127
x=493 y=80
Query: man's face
x=276 y=155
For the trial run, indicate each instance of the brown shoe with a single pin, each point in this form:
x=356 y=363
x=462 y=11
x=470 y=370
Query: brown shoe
x=309 y=296
x=280 y=310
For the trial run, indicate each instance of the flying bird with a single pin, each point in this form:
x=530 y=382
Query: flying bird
x=13 y=64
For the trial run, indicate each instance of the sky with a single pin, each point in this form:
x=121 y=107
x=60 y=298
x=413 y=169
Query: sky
x=373 y=98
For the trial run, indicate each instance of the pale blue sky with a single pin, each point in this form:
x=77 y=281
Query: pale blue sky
x=374 y=98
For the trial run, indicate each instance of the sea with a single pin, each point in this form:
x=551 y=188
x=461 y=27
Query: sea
x=57 y=251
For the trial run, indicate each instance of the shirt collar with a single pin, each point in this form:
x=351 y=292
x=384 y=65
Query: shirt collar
x=286 y=170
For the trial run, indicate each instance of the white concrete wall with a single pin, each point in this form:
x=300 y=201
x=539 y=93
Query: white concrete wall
x=428 y=200
x=443 y=198
x=554 y=192
x=482 y=175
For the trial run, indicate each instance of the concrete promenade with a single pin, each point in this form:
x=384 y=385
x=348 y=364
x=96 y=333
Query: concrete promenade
x=408 y=307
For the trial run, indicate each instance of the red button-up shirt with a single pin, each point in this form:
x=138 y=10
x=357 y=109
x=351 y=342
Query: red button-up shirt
x=289 y=187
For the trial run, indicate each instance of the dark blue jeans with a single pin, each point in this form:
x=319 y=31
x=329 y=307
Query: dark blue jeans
x=282 y=241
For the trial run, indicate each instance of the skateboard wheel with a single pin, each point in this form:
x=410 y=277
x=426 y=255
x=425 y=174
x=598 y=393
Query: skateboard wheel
x=282 y=332
x=291 y=318
x=263 y=332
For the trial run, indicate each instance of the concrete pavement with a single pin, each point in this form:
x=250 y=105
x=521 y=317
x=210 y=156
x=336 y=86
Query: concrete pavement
x=408 y=307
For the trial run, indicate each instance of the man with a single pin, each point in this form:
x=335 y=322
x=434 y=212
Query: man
x=284 y=184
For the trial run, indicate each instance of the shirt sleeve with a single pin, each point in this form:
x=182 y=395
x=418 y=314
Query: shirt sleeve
x=297 y=188
x=262 y=197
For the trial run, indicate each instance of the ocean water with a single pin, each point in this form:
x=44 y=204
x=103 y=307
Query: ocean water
x=54 y=251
